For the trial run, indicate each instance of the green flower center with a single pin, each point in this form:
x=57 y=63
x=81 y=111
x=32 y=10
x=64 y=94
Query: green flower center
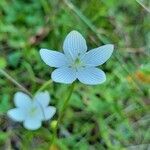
x=33 y=111
x=77 y=63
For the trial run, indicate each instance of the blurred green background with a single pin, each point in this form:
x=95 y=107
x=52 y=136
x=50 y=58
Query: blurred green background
x=111 y=116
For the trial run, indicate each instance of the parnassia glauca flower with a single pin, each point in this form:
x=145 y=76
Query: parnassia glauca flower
x=32 y=112
x=76 y=62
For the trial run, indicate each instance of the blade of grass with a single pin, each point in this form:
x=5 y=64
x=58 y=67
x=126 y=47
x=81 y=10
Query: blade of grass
x=86 y=21
x=4 y=73
x=146 y=8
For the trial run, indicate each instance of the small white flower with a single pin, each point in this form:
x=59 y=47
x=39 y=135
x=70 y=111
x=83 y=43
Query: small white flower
x=76 y=62
x=32 y=112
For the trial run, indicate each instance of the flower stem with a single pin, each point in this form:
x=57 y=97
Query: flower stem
x=63 y=110
x=44 y=86
x=4 y=73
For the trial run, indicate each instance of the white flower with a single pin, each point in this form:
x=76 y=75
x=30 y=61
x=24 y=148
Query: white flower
x=32 y=112
x=76 y=62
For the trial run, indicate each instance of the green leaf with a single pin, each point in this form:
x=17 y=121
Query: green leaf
x=3 y=136
x=3 y=63
x=14 y=59
x=4 y=104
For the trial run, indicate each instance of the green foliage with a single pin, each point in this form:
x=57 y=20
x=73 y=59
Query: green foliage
x=3 y=63
x=111 y=116
x=4 y=104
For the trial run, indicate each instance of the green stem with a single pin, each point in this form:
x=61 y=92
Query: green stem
x=63 y=110
x=44 y=86
x=4 y=73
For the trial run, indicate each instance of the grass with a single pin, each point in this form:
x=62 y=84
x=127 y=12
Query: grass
x=113 y=115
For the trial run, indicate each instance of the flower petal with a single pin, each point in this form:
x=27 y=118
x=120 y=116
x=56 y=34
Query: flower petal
x=42 y=98
x=16 y=114
x=49 y=112
x=64 y=75
x=91 y=76
x=32 y=124
x=22 y=100
x=53 y=58
x=74 y=44
x=98 y=55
